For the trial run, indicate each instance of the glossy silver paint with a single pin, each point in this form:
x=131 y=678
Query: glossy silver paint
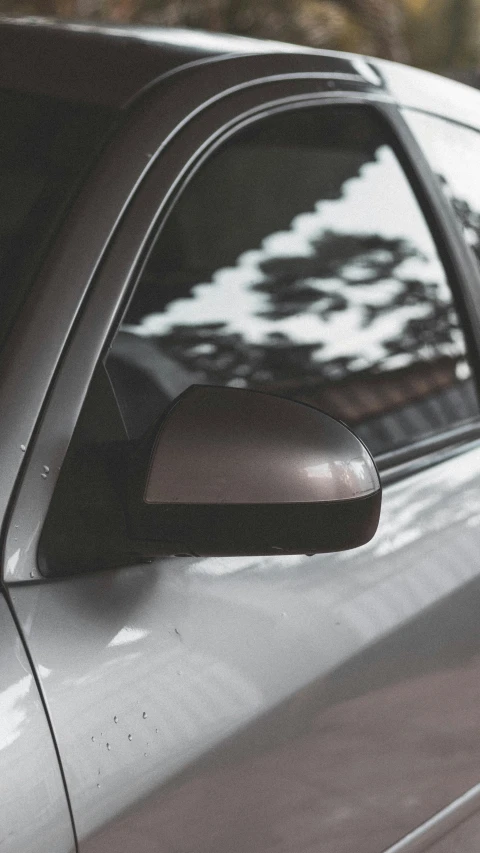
x=431 y=93
x=326 y=703
x=34 y=814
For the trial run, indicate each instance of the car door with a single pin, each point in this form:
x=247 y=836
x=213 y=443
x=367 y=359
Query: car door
x=34 y=812
x=281 y=703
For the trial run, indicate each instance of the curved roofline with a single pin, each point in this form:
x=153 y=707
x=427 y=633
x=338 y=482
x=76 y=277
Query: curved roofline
x=110 y=64
x=182 y=37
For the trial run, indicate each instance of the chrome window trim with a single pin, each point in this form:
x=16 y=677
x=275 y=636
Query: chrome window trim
x=430 y=451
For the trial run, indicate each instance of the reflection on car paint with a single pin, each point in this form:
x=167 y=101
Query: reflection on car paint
x=33 y=807
x=245 y=674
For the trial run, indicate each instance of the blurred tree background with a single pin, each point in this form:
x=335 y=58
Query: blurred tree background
x=440 y=35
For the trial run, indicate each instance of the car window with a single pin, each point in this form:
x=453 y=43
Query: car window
x=453 y=152
x=298 y=261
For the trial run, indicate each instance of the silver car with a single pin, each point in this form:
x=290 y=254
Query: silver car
x=240 y=301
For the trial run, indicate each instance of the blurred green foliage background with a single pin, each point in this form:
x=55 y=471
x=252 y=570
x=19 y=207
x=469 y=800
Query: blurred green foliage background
x=441 y=35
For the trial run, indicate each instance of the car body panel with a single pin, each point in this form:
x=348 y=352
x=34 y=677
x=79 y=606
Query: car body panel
x=421 y=90
x=280 y=703
x=34 y=812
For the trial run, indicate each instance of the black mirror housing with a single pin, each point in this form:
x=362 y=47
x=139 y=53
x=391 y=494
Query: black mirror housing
x=225 y=472
x=232 y=472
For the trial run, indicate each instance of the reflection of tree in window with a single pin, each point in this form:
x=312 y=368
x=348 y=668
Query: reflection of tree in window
x=345 y=305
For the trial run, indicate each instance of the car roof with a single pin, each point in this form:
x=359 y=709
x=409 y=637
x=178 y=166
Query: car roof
x=109 y=64
x=106 y=63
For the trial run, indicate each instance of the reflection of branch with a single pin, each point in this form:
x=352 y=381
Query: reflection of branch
x=354 y=259
x=418 y=319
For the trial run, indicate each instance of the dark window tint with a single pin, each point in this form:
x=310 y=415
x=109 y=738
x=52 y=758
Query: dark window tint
x=454 y=155
x=45 y=146
x=298 y=261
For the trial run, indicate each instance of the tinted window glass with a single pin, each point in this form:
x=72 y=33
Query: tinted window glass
x=454 y=155
x=298 y=261
x=45 y=146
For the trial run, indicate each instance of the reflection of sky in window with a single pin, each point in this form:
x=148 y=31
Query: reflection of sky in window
x=378 y=201
x=453 y=151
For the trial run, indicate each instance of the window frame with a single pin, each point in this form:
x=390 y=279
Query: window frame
x=122 y=267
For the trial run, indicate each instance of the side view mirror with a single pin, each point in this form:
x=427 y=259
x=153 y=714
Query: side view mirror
x=225 y=472
x=232 y=472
